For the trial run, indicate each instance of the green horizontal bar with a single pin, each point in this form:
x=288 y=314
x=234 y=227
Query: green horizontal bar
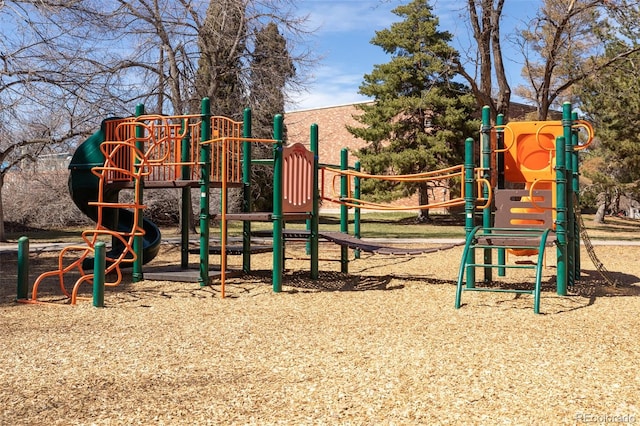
x=507 y=237
x=504 y=246
x=498 y=290
x=263 y=161
x=486 y=265
x=516 y=230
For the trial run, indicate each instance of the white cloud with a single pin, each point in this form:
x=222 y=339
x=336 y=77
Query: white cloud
x=347 y=16
x=331 y=86
x=320 y=99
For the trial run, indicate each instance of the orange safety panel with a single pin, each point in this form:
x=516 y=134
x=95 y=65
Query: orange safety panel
x=297 y=179
x=530 y=150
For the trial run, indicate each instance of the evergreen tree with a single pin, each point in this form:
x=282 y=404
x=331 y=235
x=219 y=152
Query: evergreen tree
x=613 y=165
x=222 y=45
x=420 y=116
x=271 y=69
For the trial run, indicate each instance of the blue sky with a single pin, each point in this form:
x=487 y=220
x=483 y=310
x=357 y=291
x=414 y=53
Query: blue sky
x=346 y=27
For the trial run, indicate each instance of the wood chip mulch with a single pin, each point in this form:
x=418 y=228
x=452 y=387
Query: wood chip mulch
x=381 y=345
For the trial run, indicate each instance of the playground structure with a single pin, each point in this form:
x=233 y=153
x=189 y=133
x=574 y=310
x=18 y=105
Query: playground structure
x=535 y=197
x=206 y=152
x=209 y=152
x=148 y=151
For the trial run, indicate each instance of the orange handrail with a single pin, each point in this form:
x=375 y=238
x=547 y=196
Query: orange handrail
x=430 y=176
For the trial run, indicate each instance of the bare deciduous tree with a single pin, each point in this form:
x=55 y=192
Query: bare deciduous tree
x=66 y=65
x=565 y=43
x=47 y=84
x=484 y=17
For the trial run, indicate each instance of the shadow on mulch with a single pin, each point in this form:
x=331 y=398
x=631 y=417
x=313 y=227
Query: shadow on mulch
x=327 y=281
x=591 y=286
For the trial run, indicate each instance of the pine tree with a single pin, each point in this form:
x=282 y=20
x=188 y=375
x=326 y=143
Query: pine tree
x=271 y=69
x=420 y=116
x=615 y=158
x=222 y=44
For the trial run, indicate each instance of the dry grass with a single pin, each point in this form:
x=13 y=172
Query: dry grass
x=381 y=345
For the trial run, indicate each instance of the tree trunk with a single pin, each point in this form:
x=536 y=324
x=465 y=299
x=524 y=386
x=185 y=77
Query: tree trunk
x=423 y=200
x=615 y=203
x=602 y=208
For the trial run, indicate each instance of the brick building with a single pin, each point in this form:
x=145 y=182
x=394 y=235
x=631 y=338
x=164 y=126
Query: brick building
x=333 y=135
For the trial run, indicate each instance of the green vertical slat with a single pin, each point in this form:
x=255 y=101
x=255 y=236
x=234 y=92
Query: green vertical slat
x=575 y=170
x=315 y=213
x=486 y=174
x=561 y=220
x=567 y=124
x=246 y=190
x=500 y=169
x=344 y=211
x=205 y=172
x=469 y=207
x=23 y=268
x=278 y=242
x=356 y=212
x=99 y=266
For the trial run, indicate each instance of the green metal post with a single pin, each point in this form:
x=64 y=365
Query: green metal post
x=500 y=169
x=23 y=268
x=307 y=246
x=500 y=147
x=568 y=132
x=138 y=242
x=205 y=173
x=315 y=213
x=469 y=205
x=277 y=217
x=99 y=266
x=561 y=217
x=246 y=190
x=344 y=211
x=486 y=174
x=575 y=169
x=185 y=174
x=356 y=212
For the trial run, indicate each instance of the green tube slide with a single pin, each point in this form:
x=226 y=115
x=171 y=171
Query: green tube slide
x=84 y=185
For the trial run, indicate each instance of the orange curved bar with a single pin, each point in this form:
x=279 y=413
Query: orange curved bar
x=545 y=124
x=430 y=176
x=483 y=181
x=62 y=269
x=504 y=127
x=532 y=196
x=582 y=124
x=74 y=293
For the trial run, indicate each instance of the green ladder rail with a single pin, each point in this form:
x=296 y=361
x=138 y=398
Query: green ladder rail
x=502 y=238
